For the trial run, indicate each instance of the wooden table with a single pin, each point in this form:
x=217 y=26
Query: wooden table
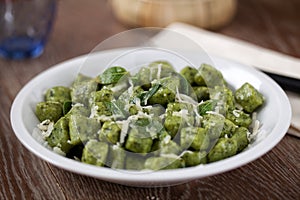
x=79 y=27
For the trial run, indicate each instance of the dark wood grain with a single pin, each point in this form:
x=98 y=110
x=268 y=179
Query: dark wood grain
x=268 y=23
x=80 y=26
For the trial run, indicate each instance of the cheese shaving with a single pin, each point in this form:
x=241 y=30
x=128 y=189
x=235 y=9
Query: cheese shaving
x=59 y=151
x=124 y=130
x=130 y=89
x=119 y=87
x=158 y=71
x=46 y=128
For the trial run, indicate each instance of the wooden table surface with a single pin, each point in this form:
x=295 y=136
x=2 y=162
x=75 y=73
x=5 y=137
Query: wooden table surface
x=80 y=25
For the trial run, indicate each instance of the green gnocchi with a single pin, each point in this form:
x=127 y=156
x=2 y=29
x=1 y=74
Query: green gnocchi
x=152 y=120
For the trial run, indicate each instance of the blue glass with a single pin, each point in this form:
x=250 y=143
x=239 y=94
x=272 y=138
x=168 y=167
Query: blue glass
x=25 y=27
x=21 y=47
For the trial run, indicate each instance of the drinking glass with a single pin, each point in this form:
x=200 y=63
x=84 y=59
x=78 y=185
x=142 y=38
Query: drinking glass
x=25 y=26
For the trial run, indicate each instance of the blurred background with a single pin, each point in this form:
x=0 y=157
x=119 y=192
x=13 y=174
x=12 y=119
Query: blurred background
x=80 y=25
x=273 y=24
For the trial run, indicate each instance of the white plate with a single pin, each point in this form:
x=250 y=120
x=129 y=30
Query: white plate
x=275 y=116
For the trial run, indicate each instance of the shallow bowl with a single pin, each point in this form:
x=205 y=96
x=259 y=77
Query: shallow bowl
x=275 y=116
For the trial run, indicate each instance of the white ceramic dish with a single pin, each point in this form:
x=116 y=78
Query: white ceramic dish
x=275 y=116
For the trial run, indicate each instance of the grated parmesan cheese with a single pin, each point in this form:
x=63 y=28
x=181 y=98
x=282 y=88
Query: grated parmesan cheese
x=37 y=135
x=185 y=151
x=238 y=106
x=198 y=117
x=119 y=87
x=158 y=71
x=46 y=128
x=59 y=151
x=171 y=155
x=215 y=113
x=182 y=98
x=167 y=139
x=138 y=103
x=130 y=89
x=236 y=113
x=124 y=130
x=152 y=131
x=188 y=99
x=254 y=126
x=252 y=136
x=94 y=110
